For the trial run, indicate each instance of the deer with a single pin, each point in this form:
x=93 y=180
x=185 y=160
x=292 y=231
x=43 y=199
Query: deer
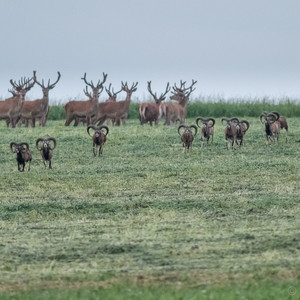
x=10 y=109
x=87 y=108
x=38 y=109
x=115 y=110
x=174 y=112
x=112 y=98
x=149 y=112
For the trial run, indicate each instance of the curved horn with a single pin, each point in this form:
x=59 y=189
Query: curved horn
x=234 y=119
x=13 y=145
x=37 y=143
x=213 y=120
x=104 y=127
x=89 y=127
x=276 y=114
x=181 y=126
x=54 y=142
x=199 y=119
x=26 y=144
x=247 y=123
x=262 y=115
x=193 y=126
x=224 y=119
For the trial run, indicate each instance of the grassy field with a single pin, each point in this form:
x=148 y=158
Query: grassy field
x=146 y=221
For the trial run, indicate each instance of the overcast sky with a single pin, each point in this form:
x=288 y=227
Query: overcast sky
x=231 y=47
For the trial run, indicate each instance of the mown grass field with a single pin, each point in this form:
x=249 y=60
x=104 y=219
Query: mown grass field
x=146 y=221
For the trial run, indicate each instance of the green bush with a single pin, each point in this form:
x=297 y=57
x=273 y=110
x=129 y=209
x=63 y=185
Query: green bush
x=218 y=109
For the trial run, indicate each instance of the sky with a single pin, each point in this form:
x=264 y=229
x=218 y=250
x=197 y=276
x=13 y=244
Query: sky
x=233 y=48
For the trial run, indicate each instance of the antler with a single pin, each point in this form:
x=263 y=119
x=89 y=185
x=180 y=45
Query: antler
x=150 y=91
x=99 y=84
x=111 y=93
x=14 y=93
x=127 y=89
x=49 y=86
x=19 y=86
x=87 y=92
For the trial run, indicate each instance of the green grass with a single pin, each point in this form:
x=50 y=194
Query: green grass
x=147 y=220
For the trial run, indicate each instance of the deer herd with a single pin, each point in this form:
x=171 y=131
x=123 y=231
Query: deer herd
x=16 y=111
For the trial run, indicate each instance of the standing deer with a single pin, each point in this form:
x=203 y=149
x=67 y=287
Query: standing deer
x=149 y=112
x=10 y=109
x=87 y=108
x=38 y=109
x=174 y=112
x=115 y=110
x=112 y=97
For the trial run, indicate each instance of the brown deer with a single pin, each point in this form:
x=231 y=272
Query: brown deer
x=149 y=112
x=87 y=108
x=10 y=109
x=115 y=110
x=38 y=109
x=112 y=98
x=174 y=112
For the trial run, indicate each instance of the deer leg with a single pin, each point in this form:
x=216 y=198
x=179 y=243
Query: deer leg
x=69 y=120
x=45 y=164
x=76 y=122
x=50 y=164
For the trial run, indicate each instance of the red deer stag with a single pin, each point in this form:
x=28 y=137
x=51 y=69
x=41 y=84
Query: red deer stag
x=174 y=112
x=115 y=110
x=79 y=109
x=149 y=112
x=112 y=98
x=10 y=109
x=38 y=109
